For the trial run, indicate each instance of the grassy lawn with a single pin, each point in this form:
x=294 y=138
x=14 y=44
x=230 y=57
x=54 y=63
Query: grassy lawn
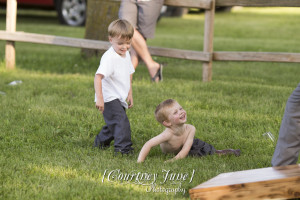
x=48 y=123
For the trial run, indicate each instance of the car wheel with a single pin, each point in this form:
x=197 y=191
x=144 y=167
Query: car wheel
x=71 y=12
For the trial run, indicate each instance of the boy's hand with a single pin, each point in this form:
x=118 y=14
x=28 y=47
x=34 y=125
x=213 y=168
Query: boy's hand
x=98 y=90
x=130 y=101
x=100 y=105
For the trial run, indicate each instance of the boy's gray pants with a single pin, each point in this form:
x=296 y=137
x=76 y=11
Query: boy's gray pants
x=117 y=127
x=288 y=144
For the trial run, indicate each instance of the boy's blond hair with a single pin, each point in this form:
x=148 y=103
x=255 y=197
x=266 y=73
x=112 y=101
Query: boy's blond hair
x=120 y=28
x=160 y=113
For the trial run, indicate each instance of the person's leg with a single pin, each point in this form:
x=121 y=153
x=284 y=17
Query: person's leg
x=129 y=11
x=148 y=13
x=236 y=152
x=288 y=144
x=142 y=15
x=120 y=127
x=140 y=49
x=134 y=58
x=200 y=148
x=104 y=138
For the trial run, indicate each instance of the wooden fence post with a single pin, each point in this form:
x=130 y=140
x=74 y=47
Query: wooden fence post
x=208 y=42
x=11 y=18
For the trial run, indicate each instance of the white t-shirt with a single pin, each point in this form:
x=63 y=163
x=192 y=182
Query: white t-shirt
x=116 y=71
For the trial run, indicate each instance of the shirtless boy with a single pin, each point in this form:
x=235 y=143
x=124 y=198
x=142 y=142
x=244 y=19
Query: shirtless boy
x=178 y=137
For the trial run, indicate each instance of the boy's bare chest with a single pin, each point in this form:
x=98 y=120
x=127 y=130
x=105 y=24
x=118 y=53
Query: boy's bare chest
x=174 y=145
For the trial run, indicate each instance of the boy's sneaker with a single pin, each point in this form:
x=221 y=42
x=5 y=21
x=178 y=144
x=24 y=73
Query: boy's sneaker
x=102 y=146
x=126 y=151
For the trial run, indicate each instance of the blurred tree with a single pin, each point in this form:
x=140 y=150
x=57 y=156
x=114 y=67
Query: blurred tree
x=100 y=13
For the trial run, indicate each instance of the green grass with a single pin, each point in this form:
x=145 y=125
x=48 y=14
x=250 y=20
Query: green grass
x=48 y=123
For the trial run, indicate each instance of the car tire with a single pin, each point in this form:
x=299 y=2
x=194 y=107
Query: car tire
x=71 y=12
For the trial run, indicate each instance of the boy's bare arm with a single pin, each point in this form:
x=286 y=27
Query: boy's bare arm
x=98 y=91
x=149 y=144
x=187 y=145
x=130 y=97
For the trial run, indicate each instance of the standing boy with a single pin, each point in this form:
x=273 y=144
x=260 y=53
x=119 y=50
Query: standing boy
x=113 y=87
x=178 y=137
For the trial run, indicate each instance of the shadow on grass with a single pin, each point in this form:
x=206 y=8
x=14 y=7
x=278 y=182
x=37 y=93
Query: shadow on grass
x=65 y=183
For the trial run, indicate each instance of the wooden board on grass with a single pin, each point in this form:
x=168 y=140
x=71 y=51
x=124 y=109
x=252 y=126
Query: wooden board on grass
x=264 y=183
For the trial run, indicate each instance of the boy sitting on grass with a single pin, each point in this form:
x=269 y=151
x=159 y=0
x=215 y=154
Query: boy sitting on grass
x=178 y=137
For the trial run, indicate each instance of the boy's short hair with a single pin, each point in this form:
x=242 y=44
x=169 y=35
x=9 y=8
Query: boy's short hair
x=120 y=28
x=160 y=111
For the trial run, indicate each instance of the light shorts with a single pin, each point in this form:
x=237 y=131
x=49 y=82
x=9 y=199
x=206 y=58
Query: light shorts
x=142 y=14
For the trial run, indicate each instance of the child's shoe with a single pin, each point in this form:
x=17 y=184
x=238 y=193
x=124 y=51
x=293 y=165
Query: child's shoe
x=101 y=145
x=127 y=151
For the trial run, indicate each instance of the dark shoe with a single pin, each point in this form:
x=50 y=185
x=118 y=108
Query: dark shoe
x=236 y=152
x=158 y=74
x=102 y=146
x=127 y=151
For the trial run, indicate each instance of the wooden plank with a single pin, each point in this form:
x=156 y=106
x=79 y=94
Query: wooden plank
x=208 y=42
x=54 y=40
x=167 y=52
x=264 y=183
x=11 y=20
x=10 y=55
x=259 y=3
x=178 y=53
x=96 y=44
x=204 y=4
x=285 y=189
x=257 y=56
